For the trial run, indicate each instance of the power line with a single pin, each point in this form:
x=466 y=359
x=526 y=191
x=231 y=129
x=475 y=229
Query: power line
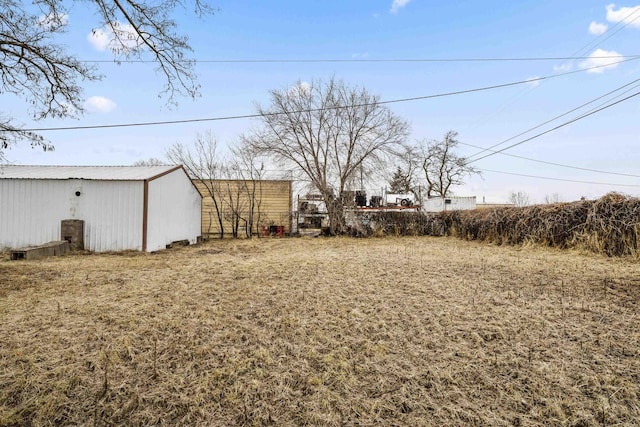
x=610 y=34
x=363 y=60
x=552 y=119
x=557 y=127
x=559 y=164
x=559 y=179
x=250 y=116
x=581 y=51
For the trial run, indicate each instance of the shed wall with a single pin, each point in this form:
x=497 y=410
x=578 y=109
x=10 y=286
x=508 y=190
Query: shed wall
x=273 y=204
x=31 y=212
x=174 y=210
x=439 y=204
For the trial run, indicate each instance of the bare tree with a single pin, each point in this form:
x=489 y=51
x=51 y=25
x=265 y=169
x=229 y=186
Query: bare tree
x=151 y=161
x=234 y=204
x=519 y=198
x=249 y=169
x=34 y=67
x=552 y=198
x=332 y=133
x=442 y=167
x=406 y=178
x=204 y=166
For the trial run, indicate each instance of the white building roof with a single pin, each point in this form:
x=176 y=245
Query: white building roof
x=107 y=173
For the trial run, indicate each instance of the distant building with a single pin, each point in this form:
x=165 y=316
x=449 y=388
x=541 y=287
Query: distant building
x=452 y=203
x=142 y=208
x=485 y=205
x=265 y=205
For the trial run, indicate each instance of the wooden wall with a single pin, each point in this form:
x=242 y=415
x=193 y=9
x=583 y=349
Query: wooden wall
x=273 y=204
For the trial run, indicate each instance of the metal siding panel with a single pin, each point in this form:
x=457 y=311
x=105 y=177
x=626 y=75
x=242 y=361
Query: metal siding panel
x=100 y=173
x=174 y=210
x=437 y=204
x=113 y=211
x=7 y=219
x=30 y=212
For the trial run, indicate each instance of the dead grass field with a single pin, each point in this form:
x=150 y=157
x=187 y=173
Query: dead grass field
x=394 y=331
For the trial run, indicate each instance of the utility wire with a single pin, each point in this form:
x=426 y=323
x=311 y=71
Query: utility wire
x=365 y=60
x=573 y=57
x=558 y=164
x=580 y=51
x=249 y=116
x=551 y=120
x=559 y=179
x=610 y=33
x=590 y=113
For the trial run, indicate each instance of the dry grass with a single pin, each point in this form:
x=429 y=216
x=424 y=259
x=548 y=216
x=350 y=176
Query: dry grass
x=397 y=331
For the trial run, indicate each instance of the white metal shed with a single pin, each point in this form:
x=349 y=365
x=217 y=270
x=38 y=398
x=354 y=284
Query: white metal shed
x=142 y=208
x=453 y=203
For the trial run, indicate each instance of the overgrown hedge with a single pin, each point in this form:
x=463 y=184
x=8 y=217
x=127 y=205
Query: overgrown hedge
x=609 y=225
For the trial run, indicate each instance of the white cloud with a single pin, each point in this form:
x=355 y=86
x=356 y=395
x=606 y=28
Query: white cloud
x=397 y=5
x=99 y=39
x=596 y=60
x=533 y=81
x=300 y=89
x=597 y=29
x=99 y=104
x=53 y=21
x=623 y=13
x=563 y=68
x=124 y=38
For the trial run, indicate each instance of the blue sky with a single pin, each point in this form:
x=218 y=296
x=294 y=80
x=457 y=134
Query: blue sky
x=377 y=30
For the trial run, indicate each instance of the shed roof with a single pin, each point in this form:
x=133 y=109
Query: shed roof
x=107 y=173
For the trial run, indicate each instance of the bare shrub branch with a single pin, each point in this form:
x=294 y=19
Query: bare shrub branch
x=34 y=67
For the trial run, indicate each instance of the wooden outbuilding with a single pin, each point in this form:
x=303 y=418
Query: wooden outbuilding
x=249 y=207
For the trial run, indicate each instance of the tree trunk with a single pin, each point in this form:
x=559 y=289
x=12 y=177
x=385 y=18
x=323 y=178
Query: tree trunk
x=337 y=222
